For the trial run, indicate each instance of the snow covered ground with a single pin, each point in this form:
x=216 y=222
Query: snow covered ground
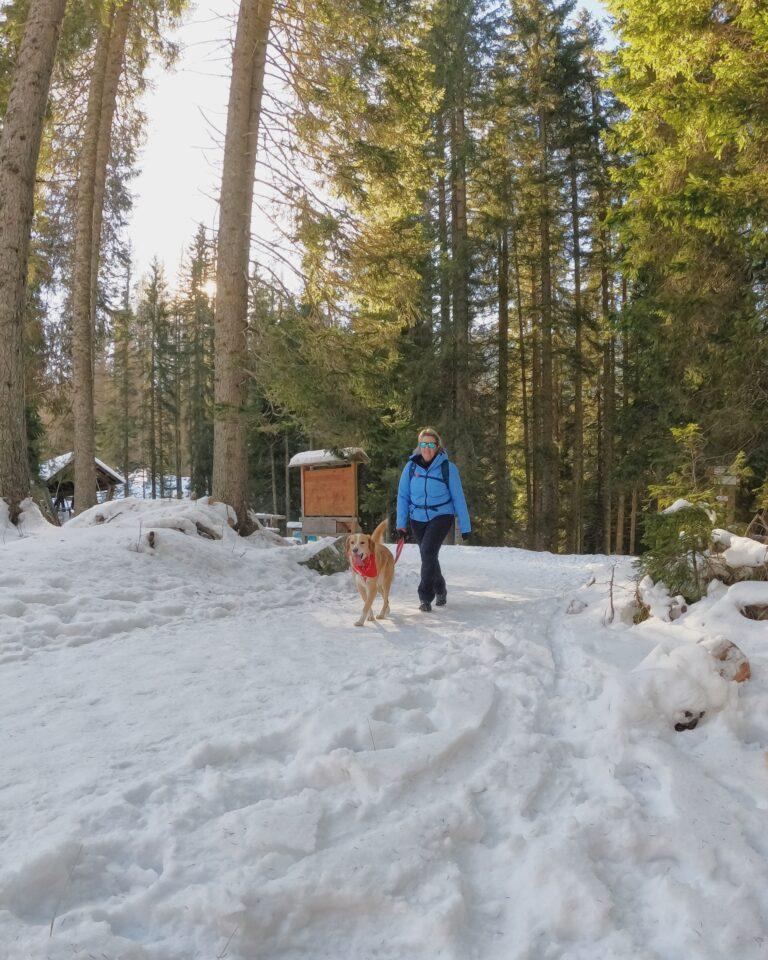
x=204 y=758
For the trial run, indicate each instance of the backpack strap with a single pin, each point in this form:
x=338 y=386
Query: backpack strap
x=445 y=469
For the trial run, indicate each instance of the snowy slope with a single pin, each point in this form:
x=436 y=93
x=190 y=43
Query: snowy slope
x=203 y=757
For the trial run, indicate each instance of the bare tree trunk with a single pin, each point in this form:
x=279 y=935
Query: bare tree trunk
x=446 y=336
x=633 y=521
x=460 y=277
x=535 y=535
x=620 y=524
x=523 y=383
x=177 y=403
x=82 y=327
x=152 y=411
x=502 y=392
x=125 y=385
x=19 y=149
x=273 y=471
x=230 y=454
x=115 y=59
x=549 y=457
x=577 y=486
x=287 y=479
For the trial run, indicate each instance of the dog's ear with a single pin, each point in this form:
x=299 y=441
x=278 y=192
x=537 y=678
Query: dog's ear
x=347 y=542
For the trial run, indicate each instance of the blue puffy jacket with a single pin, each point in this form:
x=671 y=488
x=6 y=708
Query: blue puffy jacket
x=423 y=494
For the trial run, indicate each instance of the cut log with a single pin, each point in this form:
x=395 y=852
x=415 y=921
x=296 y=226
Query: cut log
x=734 y=664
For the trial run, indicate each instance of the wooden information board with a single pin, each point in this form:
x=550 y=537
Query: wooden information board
x=330 y=491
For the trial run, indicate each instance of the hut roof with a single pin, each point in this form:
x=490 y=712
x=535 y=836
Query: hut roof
x=328 y=458
x=57 y=467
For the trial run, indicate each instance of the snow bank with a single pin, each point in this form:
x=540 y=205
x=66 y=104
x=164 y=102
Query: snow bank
x=660 y=602
x=744 y=552
x=29 y=522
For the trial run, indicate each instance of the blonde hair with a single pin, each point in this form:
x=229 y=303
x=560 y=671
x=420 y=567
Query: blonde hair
x=431 y=432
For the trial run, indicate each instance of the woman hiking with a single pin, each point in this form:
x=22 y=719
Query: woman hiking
x=429 y=496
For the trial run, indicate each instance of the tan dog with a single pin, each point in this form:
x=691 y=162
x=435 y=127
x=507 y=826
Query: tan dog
x=364 y=551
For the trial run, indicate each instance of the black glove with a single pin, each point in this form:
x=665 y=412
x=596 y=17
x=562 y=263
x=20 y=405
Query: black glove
x=403 y=534
x=465 y=536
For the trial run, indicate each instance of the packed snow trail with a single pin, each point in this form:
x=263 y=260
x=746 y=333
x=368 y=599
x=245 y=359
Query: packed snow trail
x=205 y=758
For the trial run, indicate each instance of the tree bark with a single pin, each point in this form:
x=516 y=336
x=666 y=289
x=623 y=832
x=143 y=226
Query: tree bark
x=19 y=149
x=535 y=519
x=633 y=521
x=177 y=402
x=609 y=400
x=230 y=453
x=287 y=479
x=577 y=486
x=523 y=390
x=547 y=528
x=620 y=524
x=82 y=326
x=444 y=271
x=502 y=391
x=273 y=472
x=114 y=69
x=460 y=277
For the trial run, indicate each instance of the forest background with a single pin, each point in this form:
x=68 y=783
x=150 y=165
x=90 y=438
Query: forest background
x=547 y=240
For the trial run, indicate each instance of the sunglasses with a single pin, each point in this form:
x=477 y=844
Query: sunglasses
x=428 y=443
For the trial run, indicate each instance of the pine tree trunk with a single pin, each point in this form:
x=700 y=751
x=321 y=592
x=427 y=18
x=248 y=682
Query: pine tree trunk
x=502 y=392
x=152 y=409
x=230 y=454
x=633 y=522
x=114 y=69
x=578 y=398
x=523 y=389
x=177 y=405
x=549 y=473
x=535 y=534
x=460 y=277
x=125 y=384
x=273 y=471
x=287 y=469
x=82 y=326
x=620 y=524
x=19 y=149
x=446 y=336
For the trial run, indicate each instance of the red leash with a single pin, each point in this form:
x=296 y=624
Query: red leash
x=399 y=550
x=368 y=567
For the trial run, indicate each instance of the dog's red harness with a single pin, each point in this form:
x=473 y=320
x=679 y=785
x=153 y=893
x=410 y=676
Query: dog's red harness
x=367 y=568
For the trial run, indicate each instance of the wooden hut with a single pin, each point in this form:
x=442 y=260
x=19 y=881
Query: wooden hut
x=58 y=475
x=329 y=487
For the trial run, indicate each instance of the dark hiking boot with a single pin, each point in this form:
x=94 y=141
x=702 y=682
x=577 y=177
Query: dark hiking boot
x=425 y=607
x=441 y=599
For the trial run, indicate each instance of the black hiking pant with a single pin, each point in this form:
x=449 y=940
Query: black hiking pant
x=430 y=535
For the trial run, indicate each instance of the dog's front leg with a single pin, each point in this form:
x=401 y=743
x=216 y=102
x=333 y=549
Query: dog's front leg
x=370 y=595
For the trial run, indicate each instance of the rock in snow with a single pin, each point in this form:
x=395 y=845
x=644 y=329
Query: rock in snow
x=329 y=559
x=202 y=757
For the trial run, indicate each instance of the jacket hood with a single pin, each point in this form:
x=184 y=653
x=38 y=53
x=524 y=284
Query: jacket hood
x=442 y=454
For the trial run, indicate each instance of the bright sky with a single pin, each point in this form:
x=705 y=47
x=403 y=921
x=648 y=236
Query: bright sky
x=180 y=163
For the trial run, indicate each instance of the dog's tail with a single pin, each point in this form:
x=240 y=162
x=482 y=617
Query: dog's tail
x=378 y=534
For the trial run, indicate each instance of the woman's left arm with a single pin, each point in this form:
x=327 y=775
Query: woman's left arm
x=457 y=495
